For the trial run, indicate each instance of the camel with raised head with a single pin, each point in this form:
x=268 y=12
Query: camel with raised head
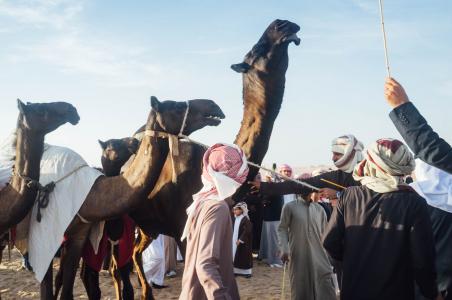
x=112 y=197
x=34 y=122
x=264 y=69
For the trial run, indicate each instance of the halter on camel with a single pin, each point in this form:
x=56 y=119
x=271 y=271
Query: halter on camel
x=173 y=141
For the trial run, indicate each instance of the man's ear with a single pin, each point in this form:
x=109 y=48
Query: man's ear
x=241 y=67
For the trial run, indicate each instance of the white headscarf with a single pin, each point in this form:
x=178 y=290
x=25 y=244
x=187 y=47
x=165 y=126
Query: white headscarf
x=351 y=149
x=225 y=168
x=434 y=185
x=387 y=162
x=243 y=207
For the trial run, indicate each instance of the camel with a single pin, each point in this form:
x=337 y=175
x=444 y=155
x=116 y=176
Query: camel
x=115 y=153
x=34 y=122
x=263 y=69
x=112 y=197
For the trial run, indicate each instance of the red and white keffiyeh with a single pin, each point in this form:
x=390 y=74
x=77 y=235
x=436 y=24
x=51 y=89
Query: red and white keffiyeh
x=387 y=162
x=351 y=148
x=224 y=170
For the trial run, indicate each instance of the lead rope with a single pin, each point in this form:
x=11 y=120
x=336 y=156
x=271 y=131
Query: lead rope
x=257 y=166
x=43 y=194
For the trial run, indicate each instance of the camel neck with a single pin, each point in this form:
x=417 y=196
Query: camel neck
x=262 y=98
x=112 y=197
x=17 y=198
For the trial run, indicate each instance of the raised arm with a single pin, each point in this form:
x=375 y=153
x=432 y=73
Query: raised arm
x=420 y=137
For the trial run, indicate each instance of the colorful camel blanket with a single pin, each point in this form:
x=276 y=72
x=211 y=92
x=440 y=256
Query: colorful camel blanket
x=75 y=179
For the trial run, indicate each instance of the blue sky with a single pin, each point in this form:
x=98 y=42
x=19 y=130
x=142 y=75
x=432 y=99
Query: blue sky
x=108 y=57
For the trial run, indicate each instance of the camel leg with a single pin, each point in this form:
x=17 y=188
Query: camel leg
x=90 y=279
x=59 y=275
x=46 y=286
x=142 y=242
x=127 y=290
x=115 y=272
x=77 y=234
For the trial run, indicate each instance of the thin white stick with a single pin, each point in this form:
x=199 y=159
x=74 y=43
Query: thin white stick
x=384 y=38
x=257 y=166
x=283 y=289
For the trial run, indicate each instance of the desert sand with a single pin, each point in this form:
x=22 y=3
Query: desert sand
x=15 y=283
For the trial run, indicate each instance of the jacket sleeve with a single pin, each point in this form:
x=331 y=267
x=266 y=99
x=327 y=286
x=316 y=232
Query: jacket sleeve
x=420 y=137
x=209 y=253
x=423 y=252
x=280 y=188
x=290 y=187
x=333 y=237
x=283 y=229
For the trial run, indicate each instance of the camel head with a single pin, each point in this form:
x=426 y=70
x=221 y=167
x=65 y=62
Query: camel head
x=170 y=115
x=116 y=152
x=271 y=49
x=46 y=117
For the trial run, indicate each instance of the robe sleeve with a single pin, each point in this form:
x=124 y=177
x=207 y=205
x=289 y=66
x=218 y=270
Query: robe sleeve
x=209 y=252
x=283 y=229
x=333 y=237
x=423 y=253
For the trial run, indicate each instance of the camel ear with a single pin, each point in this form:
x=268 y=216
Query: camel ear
x=103 y=145
x=132 y=145
x=22 y=106
x=241 y=68
x=155 y=103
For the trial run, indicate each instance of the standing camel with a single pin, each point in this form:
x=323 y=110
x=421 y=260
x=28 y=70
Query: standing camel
x=264 y=69
x=112 y=197
x=34 y=122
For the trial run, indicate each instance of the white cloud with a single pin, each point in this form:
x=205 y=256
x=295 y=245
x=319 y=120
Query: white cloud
x=70 y=49
x=42 y=13
x=368 y=6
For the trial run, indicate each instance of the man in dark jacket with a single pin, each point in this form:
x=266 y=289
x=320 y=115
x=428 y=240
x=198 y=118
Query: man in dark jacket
x=381 y=231
x=346 y=153
x=420 y=137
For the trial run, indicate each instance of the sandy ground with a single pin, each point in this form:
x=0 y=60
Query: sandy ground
x=266 y=283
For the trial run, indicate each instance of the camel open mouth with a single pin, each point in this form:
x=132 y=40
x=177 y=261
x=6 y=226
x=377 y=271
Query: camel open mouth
x=214 y=119
x=292 y=38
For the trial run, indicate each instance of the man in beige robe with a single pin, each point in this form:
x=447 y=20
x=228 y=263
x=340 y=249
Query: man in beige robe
x=299 y=235
x=208 y=272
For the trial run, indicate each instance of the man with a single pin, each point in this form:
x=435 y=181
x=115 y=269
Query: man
x=242 y=240
x=347 y=152
x=299 y=233
x=286 y=170
x=435 y=186
x=271 y=214
x=208 y=272
x=381 y=230
x=420 y=137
